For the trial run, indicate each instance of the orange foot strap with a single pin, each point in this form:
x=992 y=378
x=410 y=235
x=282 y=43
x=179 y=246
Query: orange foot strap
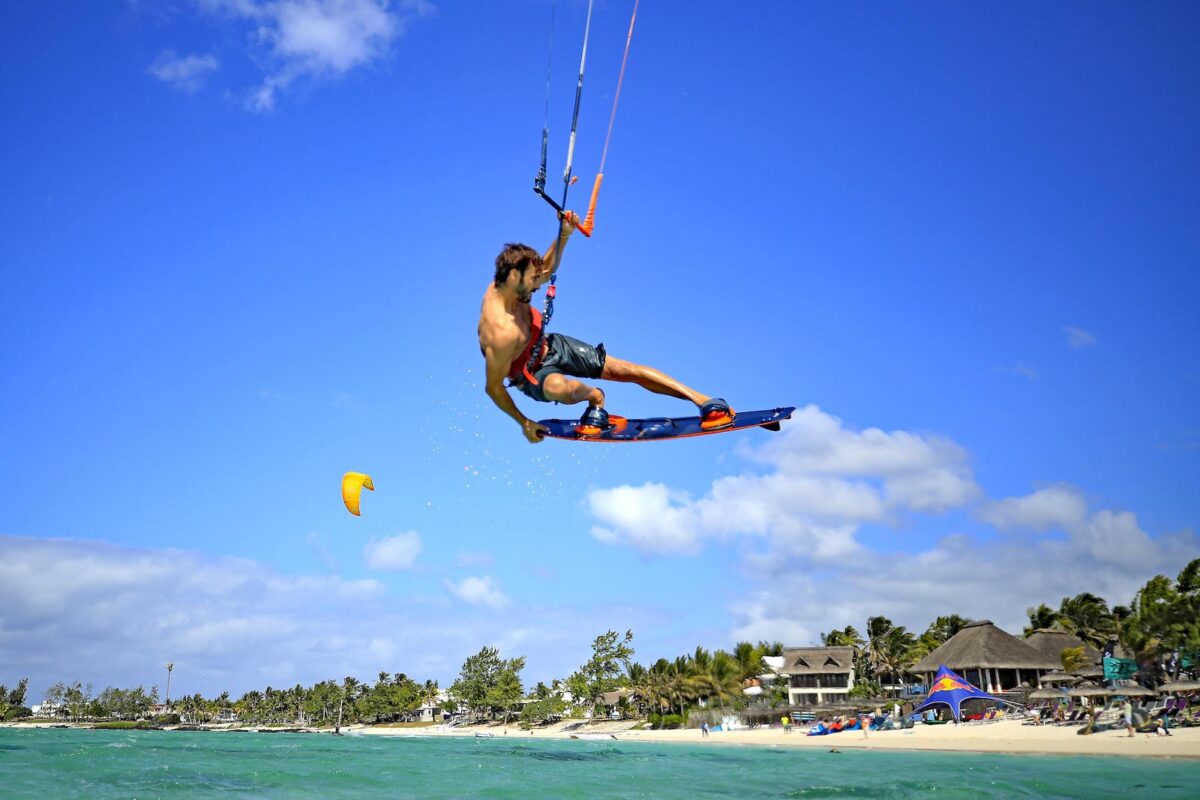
x=716 y=413
x=718 y=420
x=594 y=422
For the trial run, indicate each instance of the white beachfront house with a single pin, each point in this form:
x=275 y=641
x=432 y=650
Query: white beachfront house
x=818 y=676
x=49 y=709
x=432 y=712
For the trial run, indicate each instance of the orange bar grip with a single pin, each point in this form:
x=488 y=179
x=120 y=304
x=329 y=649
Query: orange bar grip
x=589 y=221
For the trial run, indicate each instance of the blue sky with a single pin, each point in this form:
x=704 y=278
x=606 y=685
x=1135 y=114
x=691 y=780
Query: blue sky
x=244 y=245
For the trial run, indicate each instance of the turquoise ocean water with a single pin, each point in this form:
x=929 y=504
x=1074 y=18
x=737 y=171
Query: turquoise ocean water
x=49 y=763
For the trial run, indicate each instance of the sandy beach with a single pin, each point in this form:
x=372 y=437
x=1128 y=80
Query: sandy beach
x=1005 y=736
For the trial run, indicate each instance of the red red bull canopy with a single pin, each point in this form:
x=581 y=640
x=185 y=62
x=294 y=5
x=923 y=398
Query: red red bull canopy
x=951 y=689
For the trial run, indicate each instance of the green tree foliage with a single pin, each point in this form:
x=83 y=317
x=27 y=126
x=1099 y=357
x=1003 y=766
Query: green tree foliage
x=545 y=709
x=847 y=637
x=505 y=696
x=1164 y=618
x=123 y=704
x=1087 y=616
x=770 y=648
x=12 y=701
x=888 y=650
x=602 y=672
x=1073 y=658
x=487 y=682
x=1041 y=616
x=749 y=660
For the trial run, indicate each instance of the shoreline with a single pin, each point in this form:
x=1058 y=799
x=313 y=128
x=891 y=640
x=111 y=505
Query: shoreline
x=1006 y=737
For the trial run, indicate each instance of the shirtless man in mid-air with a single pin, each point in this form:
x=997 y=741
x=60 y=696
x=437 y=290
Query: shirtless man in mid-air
x=509 y=329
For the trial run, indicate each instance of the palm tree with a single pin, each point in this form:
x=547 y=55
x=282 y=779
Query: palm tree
x=876 y=643
x=723 y=681
x=702 y=660
x=749 y=659
x=770 y=648
x=653 y=687
x=847 y=637
x=943 y=628
x=679 y=688
x=1087 y=616
x=1041 y=617
x=889 y=647
x=897 y=653
x=1073 y=658
x=170 y=669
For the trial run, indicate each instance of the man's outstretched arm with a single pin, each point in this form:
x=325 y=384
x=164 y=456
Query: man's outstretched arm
x=497 y=371
x=551 y=259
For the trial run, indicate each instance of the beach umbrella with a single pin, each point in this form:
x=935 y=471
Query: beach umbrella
x=1179 y=686
x=1093 y=671
x=1132 y=691
x=1088 y=689
x=1048 y=694
x=1058 y=677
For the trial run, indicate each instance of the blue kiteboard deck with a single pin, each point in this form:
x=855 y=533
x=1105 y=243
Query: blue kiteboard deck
x=656 y=428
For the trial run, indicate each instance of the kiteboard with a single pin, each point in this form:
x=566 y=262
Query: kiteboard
x=655 y=428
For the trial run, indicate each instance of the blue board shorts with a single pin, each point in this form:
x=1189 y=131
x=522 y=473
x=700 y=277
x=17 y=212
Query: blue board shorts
x=565 y=355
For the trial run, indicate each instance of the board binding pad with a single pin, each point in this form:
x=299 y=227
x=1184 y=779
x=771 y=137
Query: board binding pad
x=655 y=428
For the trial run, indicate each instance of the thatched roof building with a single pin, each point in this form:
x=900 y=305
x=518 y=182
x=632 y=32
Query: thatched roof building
x=817 y=660
x=1050 y=642
x=987 y=657
x=818 y=675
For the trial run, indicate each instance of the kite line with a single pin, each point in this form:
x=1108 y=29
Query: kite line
x=587 y=226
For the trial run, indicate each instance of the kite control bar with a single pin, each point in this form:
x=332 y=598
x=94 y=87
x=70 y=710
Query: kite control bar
x=539 y=184
x=584 y=227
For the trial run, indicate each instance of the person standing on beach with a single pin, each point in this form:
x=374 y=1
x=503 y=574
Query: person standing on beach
x=704 y=729
x=787 y=724
x=1127 y=710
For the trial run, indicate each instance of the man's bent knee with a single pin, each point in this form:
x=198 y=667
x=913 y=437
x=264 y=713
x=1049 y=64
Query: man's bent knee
x=565 y=390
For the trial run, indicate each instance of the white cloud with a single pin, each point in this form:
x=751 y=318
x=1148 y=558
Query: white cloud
x=393 y=552
x=997 y=580
x=478 y=592
x=76 y=609
x=316 y=38
x=825 y=479
x=1078 y=337
x=184 y=73
x=649 y=517
x=113 y=615
x=1054 y=507
x=1106 y=536
x=797 y=528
